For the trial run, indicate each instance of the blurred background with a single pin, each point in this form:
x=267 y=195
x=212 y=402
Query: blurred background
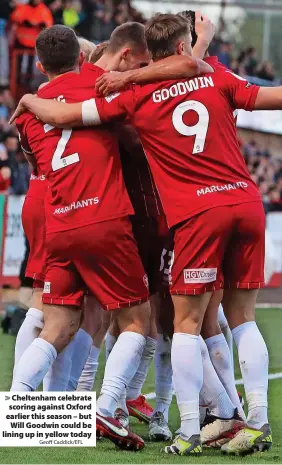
x=248 y=41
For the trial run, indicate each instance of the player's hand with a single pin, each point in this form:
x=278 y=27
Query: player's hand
x=204 y=28
x=110 y=82
x=21 y=108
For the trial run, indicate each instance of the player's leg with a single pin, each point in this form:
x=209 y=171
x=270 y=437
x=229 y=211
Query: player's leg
x=33 y=219
x=222 y=420
x=92 y=325
x=226 y=331
x=245 y=278
x=62 y=299
x=60 y=326
x=73 y=357
x=187 y=368
x=146 y=234
x=199 y=245
x=133 y=330
x=158 y=426
x=121 y=413
x=219 y=351
x=118 y=280
x=25 y=290
x=32 y=324
x=65 y=371
x=136 y=402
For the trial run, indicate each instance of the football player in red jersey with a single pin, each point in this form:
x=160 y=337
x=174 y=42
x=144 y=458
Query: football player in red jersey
x=78 y=194
x=214 y=427
x=149 y=237
x=215 y=424
x=214 y=208
x=145 y=222
x=33 y=218
x=89 y=240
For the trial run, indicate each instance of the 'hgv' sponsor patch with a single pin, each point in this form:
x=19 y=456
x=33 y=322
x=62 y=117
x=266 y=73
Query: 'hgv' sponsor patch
x=200 y=275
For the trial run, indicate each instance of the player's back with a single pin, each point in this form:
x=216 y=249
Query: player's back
x=194 y=155
x=82 y=165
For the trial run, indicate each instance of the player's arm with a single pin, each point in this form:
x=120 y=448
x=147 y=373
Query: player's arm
x=249 y=96
x=59 y=114
x=174 y=67
x=269 y=98
x=205 y=31
x=23 y=140
x=115 y=108
x=92 y=112
x=31 y=160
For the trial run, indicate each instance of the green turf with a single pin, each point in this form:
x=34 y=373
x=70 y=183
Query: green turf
x=270 y=322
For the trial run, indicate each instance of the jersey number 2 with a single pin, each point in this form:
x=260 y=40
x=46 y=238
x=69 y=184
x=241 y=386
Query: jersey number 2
x=57 y=161
x=199 y=130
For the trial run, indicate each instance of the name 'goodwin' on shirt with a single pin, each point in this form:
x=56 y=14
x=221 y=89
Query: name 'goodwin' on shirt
x=182 y=88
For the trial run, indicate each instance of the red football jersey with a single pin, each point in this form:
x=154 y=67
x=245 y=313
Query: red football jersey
x=213 y=61
x=37 y=184
x=82 y=166
x=187 y=131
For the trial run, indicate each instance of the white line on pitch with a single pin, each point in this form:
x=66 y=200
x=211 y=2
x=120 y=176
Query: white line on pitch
x=152 y=395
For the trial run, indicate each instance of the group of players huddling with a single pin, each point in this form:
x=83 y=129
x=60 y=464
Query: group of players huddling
x=152 y=279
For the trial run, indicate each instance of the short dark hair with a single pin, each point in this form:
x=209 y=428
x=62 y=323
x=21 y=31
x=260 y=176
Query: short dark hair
x=58 y=49
x=132 y=34
x=163 y=32
x=191 y=16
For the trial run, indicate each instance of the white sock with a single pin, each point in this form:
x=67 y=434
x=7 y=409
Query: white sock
x=135 y=386
x=122 y=402
x=29 y=330
x=82 y=347
x=212 y=390
x=163 y=375
x=121 y=366
x=187 y=369
x=87 y=378
x=221 y=360
x=253 y=358
x=226 y=331
x=109 y=344
x=33 y=365
x=65 y=371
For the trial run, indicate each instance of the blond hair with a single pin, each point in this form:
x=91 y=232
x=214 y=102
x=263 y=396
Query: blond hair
x=86 y=47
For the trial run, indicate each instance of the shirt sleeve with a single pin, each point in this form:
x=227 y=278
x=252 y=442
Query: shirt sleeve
x=241 y=93
x=114 y=107
x=21 y=125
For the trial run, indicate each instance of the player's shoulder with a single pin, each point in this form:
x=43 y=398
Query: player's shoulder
x=143 y=91
x=215 y=63
x=225 y=76
x=92 y=69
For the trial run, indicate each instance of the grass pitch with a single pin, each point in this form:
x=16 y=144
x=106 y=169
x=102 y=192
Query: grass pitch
x=270 y=322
